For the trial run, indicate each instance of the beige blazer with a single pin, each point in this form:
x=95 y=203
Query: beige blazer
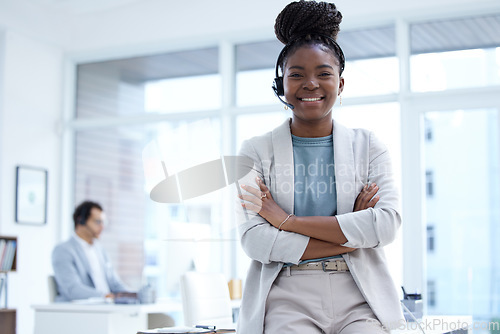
x=359 y=159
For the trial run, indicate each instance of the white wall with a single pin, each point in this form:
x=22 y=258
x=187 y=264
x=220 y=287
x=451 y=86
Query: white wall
x=2 y=80
x=33 y=21
x=30 y=110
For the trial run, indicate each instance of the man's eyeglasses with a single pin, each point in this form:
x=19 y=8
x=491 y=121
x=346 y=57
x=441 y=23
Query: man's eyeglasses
x=98 y=221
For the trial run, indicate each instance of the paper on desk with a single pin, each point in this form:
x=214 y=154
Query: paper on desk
x=176 y=330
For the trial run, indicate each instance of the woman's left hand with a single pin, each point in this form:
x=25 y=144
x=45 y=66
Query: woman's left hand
x=261 y=201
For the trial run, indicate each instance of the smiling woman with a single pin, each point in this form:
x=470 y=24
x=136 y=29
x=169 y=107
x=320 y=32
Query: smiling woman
x=312 y=84
x=320 y=202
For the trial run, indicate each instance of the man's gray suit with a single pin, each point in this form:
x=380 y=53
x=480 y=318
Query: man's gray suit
x=73 y=275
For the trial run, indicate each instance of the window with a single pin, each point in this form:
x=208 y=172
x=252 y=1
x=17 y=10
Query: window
x=455 y=69
x=367 y=77
x=158 y=83
x=371 y=64
x=255 y=72
x=111 y=159
x=183 y=94
x=109 y=171
x=134 y=113
x=192 y=234
x=250 y=125
x=118 y=165
x=455 y=53
x=465 y=159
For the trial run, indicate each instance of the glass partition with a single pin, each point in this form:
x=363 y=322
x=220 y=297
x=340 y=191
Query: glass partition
x=462 y=212
x=150 y=241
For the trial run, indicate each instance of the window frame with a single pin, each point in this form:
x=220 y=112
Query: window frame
x=413 y=106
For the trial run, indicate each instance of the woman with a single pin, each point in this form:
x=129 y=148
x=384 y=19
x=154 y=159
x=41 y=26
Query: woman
x=312 y=225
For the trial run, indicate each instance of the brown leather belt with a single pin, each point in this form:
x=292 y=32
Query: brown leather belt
x=332 y=265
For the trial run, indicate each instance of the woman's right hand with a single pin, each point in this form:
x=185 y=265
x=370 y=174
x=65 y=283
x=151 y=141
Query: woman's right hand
x=365 y=198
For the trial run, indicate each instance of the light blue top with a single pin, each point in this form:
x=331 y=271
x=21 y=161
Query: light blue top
x=315 y=193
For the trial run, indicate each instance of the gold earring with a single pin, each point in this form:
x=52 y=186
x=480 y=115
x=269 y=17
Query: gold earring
x=286 y=107
x=340 y=96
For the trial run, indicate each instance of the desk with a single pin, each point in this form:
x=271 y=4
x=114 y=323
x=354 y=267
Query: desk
x=64 y=318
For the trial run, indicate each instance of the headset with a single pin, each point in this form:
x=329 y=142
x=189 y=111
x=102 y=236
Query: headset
x=278 y=86
x=84 y=216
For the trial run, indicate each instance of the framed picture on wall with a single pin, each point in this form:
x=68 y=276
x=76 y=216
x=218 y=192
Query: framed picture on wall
x=31 y=195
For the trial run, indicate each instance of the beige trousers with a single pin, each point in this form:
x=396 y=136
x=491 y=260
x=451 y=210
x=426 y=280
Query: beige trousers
x=314 y=301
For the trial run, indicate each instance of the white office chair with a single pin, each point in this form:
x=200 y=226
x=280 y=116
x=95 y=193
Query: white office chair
x=53 y=291
x=205 y=300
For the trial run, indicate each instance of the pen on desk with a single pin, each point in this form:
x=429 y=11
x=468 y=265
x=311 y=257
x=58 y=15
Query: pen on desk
x=205 y=327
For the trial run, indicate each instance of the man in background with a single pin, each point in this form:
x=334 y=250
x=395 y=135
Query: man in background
x=81 y=266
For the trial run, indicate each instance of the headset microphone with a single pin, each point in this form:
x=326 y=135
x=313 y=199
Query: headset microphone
x=279 y=97
x=286 y=103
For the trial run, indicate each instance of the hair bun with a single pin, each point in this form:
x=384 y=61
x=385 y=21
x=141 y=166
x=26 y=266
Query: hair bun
x=302 y=18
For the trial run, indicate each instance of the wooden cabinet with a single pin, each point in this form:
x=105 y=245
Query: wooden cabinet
x=7 y=321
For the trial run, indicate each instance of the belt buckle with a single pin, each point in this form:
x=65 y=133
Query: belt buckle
x=323 y=264
x=337 y=269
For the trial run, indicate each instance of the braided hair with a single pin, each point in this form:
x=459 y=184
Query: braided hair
x=309 y=23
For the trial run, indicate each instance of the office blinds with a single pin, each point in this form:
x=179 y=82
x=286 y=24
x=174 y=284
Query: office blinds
x=478 y=32
x=375 y=42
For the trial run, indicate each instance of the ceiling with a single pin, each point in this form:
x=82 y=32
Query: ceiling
x=427 y=36
x=377 y=41
x=81 y=27
x=81 y=6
